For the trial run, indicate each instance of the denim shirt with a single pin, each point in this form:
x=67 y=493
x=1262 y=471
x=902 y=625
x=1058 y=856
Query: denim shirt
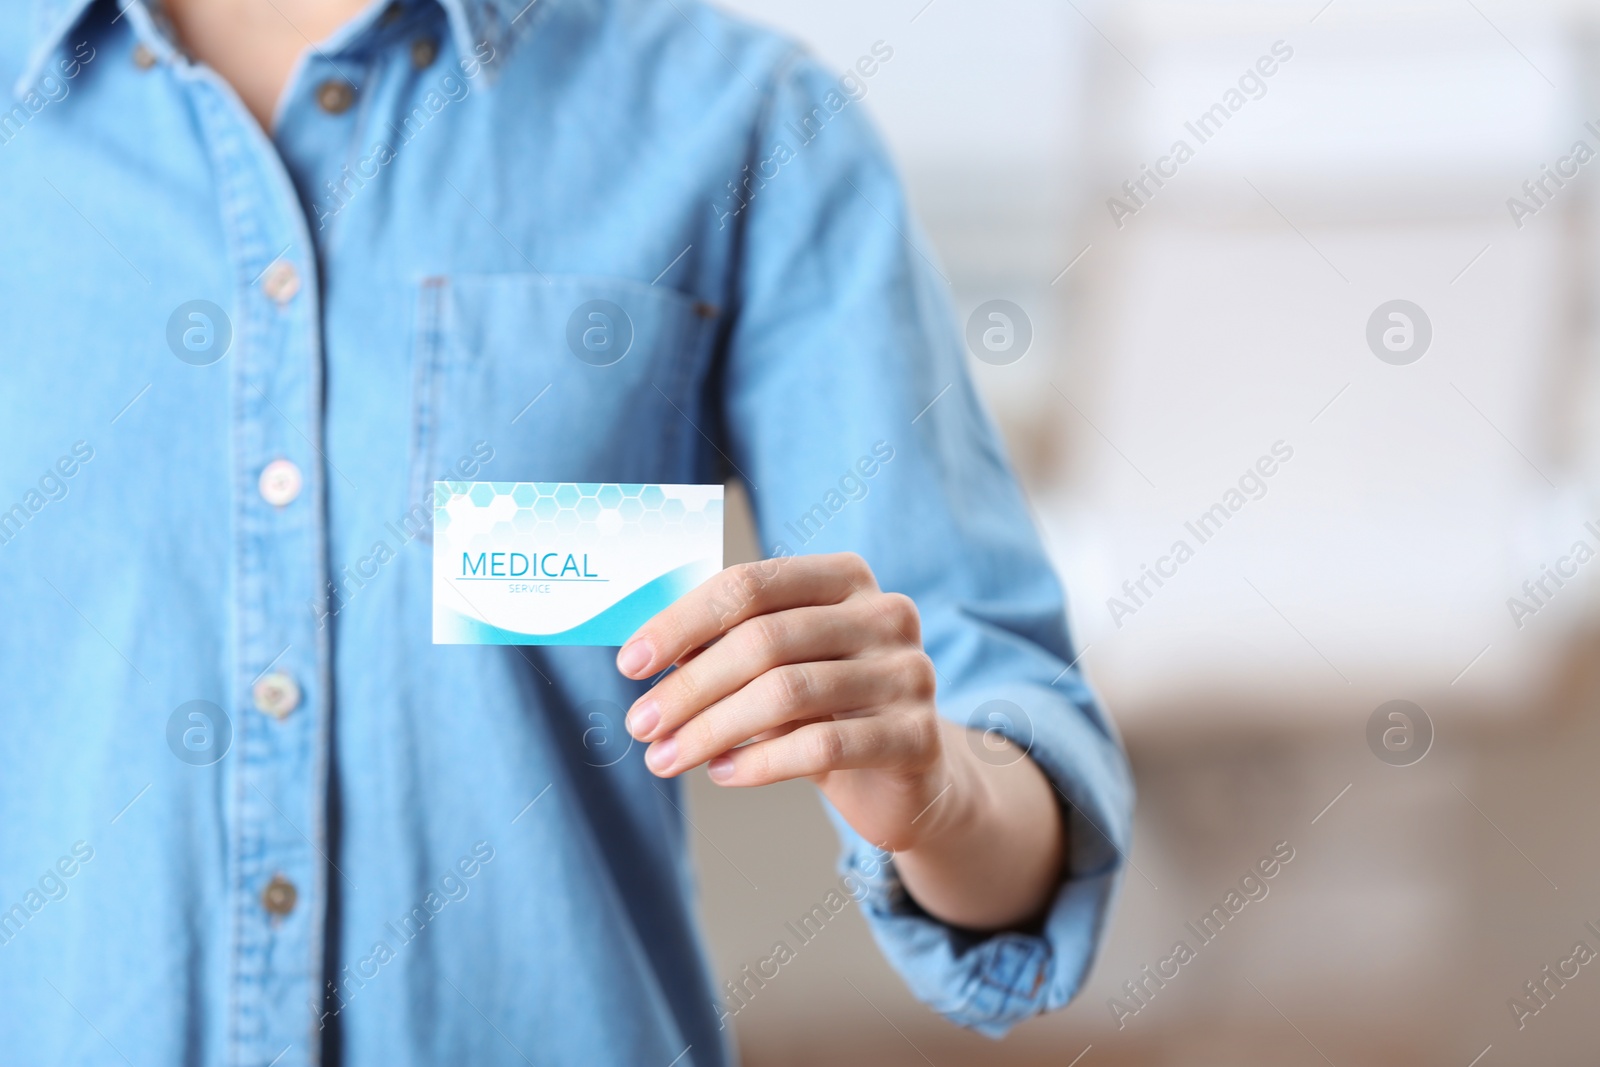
x=252 y=815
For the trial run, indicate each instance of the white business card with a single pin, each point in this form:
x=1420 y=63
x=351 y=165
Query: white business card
x=566 y=563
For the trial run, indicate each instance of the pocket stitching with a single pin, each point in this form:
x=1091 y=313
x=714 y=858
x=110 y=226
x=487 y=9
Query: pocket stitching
x=425 y=385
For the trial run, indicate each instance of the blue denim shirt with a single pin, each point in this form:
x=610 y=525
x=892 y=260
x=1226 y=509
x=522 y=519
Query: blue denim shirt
x=251 y=814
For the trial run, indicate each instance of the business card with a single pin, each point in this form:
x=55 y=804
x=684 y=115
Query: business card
x=566 y=563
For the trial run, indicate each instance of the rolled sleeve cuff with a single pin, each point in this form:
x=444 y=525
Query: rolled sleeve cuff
x=990 y=982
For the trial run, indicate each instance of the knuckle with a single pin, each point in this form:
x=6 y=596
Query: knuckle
x=868 y=616
x=924 y=734
x=794 y=687
x=855 y=567
x=759 y=764
x=902 y=611
x=825 y=747
x=765 y=570
x=724 y=605
x=672 y=631
x=747 y=584
x=916 y=742
x=768 y=636
x=697 y=738
x=740 y=591
x=681 y=688
x=742 y=578
x=754 y=576
x=919 y=676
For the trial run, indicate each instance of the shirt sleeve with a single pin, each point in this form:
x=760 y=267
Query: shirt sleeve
x=851 y=417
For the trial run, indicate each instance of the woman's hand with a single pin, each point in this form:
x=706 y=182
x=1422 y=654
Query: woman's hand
x=803 y=667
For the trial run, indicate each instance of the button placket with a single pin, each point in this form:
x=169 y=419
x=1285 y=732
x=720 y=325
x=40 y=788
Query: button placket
x=276 y=831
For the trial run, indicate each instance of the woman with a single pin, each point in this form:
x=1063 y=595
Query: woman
x=277 y=265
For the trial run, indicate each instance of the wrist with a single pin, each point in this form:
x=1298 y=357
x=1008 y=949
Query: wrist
x=992 y=858
x=961 y=800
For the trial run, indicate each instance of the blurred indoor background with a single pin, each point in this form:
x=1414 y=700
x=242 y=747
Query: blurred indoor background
x=1179 y=337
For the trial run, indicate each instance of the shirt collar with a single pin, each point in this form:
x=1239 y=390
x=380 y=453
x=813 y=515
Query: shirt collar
x=52 y=20
x=473 y=23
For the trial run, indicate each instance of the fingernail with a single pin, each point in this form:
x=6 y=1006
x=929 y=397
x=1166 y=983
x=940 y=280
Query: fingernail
x=661 y=754
x=644 y=719
x=634 y=657
x=720 y=769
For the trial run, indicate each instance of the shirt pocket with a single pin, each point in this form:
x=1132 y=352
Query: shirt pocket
x=557 y=378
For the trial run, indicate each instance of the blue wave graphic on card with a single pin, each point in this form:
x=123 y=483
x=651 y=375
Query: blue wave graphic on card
x=566 y=563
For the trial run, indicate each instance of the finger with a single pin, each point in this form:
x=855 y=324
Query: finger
x=736 y=594
x=787 y=728
x=787 y=694
x=749 y=650
x=783 y=694
x=844 y=744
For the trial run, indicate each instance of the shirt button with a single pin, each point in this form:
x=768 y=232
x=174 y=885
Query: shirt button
x=280 y=482
x=335 y=96
x=276 y=694
x=279 y=895
x=423 y=52
x=281 y=282
x=143 y=57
